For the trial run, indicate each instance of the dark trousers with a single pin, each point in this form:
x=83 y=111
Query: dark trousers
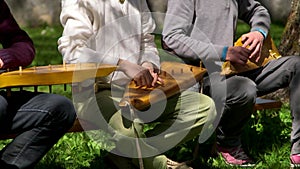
x=235 y=97
x=38 y=119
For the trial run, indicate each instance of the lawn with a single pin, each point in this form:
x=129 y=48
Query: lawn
x=266 y=137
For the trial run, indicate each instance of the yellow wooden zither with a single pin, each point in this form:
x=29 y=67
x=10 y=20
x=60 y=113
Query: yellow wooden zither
x=269 y=52
x=176 y=76
x=54 y=74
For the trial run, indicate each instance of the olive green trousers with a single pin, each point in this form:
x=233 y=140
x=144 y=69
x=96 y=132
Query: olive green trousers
x=143 y=136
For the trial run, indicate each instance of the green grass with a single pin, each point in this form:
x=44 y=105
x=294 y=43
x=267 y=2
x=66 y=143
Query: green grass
x=266 y=137
x=45 y=40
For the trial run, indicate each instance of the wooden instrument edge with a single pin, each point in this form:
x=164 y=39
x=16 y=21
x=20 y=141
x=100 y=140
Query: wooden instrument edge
x=54 y=74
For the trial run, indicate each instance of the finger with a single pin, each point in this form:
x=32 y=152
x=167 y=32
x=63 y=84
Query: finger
x=258 y=57
x=241 y=62
x=160 y=80
x=238 y=60
x=243 y=59
x=144 y=78
x=147 y=80
x=245 y=53
x=155 y=77
x=138 y=81
x=244 y=38
x=255 y=52
x=259 y=54
x=253 y=45
x=247 y=42
x=151 y=71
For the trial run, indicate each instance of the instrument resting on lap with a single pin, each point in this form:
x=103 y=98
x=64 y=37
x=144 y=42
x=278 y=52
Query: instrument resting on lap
x=269 y=52
x=176 y=76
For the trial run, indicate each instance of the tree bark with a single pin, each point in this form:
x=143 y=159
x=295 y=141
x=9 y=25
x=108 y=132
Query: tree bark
x=290 y=41
x=289 y=45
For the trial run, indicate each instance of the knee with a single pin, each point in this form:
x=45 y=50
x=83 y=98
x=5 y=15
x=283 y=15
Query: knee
x=244 y=91
x=296 y=61
x=291 y=63
x=62 y=109
x=210 y=103
x=293 y=59
x=207 y=107
x=249 y=94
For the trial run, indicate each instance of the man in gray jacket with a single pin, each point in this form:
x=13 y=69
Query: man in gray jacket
x=205 y=30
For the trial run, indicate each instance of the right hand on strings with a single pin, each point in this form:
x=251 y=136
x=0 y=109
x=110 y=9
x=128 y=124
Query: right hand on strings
x=142 y=76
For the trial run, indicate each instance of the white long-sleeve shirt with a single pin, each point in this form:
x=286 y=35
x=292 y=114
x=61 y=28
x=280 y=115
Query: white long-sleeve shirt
x=105 y=31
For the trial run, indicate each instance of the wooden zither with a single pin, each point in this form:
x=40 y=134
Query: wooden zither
x=176 y=76
x=269 y=52
x=54 y=74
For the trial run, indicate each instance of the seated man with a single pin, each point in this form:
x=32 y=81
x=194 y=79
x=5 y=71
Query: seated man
x=195 y=31
x=119 y=33
x=38 y=119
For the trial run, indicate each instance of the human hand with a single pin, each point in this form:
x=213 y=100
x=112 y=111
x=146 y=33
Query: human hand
x=154 y=73
x=140 y=75
x=1 y=63
x=254 y=42
x=238 y=54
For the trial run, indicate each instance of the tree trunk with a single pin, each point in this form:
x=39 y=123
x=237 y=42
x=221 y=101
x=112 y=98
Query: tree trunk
x=290 y=41
x=289 y=45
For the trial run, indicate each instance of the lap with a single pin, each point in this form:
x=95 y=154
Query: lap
x=24 y=110
x=183 y=104
x=276 y=74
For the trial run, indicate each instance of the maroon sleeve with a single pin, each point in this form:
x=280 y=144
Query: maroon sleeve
x=18 y=49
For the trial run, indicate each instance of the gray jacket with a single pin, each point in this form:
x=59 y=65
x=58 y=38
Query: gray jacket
x=214 y=25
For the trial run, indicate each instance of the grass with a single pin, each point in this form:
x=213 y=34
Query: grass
x=45 y=40
x=266 y=137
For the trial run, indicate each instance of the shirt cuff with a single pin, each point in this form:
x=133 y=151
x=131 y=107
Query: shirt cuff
x=224 y=52
x=261 y=31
